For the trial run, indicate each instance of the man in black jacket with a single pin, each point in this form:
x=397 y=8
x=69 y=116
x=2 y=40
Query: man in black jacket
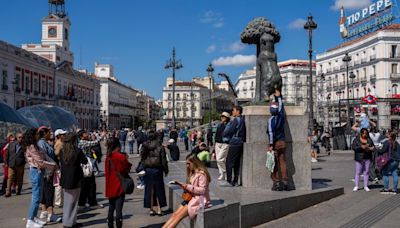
x=235 y=132
x=16 y=164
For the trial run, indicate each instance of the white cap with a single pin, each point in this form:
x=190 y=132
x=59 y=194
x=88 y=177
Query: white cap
x=171 y=141
x=60 y=132
x=226 y=115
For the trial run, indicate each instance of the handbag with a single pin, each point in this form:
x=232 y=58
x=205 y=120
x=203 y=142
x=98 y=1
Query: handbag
x=383 y=159
x=186 y=196
x=127 y=183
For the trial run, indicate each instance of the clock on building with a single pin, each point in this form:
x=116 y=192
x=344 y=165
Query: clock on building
x=52 y=32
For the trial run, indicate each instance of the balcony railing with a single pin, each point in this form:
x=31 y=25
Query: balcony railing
x=394 y=55
x=357 y=62
x=4 y=87
x=395 y=76
x=328 y=70
x=342 y=67
x=35 y=93
x=372 y=57
x=372 y=76
x=363 y=60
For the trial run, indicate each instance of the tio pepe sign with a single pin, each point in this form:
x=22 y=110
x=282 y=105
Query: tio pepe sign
x=369 y=11
x=366 y=19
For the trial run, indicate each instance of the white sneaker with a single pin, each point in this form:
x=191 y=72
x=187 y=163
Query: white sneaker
x=367 y=189
x=43 y=215
x=314 y=160
x=53 y=218
x=141 y=173
x=32 y=224
x=140 y=186
x=41 y=222
x=355 y=189
x=221 y=177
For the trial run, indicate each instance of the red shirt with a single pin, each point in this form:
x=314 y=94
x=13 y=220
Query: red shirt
x=119 y=164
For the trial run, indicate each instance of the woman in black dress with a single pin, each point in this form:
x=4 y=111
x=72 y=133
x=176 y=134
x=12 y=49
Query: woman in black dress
x=154 y=160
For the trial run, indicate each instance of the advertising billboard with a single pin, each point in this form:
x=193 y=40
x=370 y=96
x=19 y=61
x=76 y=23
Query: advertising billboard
x=368 y=19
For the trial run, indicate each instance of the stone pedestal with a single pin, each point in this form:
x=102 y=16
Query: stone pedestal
x=298 y=159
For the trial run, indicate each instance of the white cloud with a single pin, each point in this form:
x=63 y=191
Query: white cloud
x=350 y=4
x=213 y=18
x=211 y=48
x=236 y=47
x=297 y=24
x=237 y=60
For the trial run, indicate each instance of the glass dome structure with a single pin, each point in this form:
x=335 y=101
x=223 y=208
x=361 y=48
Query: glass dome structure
x=50 y=116
x=11 y=121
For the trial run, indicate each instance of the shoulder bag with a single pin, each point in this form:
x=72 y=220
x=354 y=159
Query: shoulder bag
x=126 y=181
x=383 y=159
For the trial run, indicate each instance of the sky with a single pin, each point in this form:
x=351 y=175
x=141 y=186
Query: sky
x=137 y=37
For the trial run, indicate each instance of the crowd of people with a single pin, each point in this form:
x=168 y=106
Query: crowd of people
x=63 y=165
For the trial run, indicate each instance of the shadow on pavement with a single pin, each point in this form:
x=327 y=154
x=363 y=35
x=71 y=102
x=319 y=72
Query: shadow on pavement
x=87 y=216
x=153 y=226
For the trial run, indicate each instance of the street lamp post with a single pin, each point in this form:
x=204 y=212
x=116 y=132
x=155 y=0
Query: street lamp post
x=310 y=26
x=210 y=70
x=175 y=65
x=352 y=76
x=347 y=59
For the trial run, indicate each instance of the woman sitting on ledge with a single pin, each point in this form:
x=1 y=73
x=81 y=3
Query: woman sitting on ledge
x=198 y=180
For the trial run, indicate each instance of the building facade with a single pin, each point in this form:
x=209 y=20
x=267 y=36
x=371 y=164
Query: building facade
x=118 y=102
x=373 y=70
x=44 y=74
x=295 y=74
x=246 y=86
x=192 y=100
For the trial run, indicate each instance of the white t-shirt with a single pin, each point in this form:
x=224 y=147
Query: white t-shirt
x=375 y=137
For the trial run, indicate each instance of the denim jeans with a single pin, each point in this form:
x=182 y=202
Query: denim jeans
x=130 y=144
x=392 y=167
x=122 y=146
x=36 y=177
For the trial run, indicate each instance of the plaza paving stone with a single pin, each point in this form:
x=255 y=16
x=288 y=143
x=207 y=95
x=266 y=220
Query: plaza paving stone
x=334 y=170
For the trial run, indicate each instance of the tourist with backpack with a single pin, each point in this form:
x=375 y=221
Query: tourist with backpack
x=155 y=163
